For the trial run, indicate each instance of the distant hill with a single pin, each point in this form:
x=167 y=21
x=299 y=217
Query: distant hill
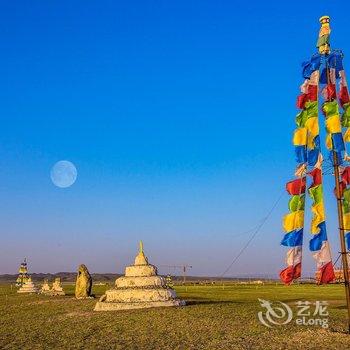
x=111 y=277
x=65 y=277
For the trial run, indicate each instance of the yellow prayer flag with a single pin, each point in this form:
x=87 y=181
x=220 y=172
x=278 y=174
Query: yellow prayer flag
x=310 y=143
x=318 y=217
x=346 y=222
x=333 y=124
x=329 y=141
x=347 y=135
x=293 y=221
x=300 y=137
x=312 y=126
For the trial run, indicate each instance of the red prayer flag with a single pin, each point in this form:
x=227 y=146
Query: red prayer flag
x=297 y=271
x=342 y=187
x=345 y=180
x=290 y=273
x=296 y=187
x=330 y=92
x=316 y=175
x=343 y=95
x=345 y=175
x=312 y=92
x=301 y=100
x=286 y=275
x=326 y=273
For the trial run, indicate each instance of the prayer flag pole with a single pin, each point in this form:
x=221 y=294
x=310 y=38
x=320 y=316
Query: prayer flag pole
x=323 y=45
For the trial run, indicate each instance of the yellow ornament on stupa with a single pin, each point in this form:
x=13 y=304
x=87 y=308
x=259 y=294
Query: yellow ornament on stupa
x=141 y=259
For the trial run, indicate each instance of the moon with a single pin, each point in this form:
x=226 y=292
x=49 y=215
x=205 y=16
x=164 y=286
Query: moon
x=63 y=174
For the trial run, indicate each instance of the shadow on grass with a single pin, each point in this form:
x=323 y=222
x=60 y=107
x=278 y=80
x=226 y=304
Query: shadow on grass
x=336 y=331
x=208 y=302
x=340 y=307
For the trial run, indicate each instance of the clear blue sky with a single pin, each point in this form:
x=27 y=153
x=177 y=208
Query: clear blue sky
x=178 y=116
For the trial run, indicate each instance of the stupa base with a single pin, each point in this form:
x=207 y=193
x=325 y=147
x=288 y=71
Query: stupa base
x=28 y=291
x=115 y=306
x=44 y=292
x=56 y=293
x=28 y=288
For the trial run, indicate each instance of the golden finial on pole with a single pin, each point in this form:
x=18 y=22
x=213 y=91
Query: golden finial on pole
x=323 y=36
x=141 y=247
x=141 y=259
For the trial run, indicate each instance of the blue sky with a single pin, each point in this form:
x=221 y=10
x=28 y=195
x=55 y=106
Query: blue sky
x=178 y=116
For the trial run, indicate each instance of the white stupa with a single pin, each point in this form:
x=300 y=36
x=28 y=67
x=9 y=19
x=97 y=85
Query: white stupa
x=28 y=287
x=141 y=287
x=45 y=288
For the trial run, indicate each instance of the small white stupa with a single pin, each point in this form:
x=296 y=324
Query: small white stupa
x=57 y=287
x=141 y=287
x=45 y=288
x=28 y=287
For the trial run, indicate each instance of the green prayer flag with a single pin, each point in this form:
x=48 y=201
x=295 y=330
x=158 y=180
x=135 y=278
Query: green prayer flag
x=346 y=201
x=316 y=194
x=345 y=118
x=301 y=118
x=297 y=202
x=311 y=108
x=331 y=108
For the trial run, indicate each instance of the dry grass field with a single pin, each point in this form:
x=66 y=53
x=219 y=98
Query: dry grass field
x=215 y=318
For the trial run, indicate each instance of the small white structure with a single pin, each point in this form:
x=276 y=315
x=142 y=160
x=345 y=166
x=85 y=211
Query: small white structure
x=57 y=288
x=45 y=288
x=141 y=287
x=28 y=287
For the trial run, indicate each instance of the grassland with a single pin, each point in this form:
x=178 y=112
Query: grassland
x=216 y=317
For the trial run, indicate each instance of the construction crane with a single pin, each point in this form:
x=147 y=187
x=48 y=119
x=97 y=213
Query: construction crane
x=183 y=268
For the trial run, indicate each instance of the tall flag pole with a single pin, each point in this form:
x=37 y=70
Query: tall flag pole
x=334 y=124
x=335 y=138
x=325 y=76
x=309 y=159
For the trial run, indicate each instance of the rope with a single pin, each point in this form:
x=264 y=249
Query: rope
x=247 y=231
x=336 y=260
x=253 y=235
